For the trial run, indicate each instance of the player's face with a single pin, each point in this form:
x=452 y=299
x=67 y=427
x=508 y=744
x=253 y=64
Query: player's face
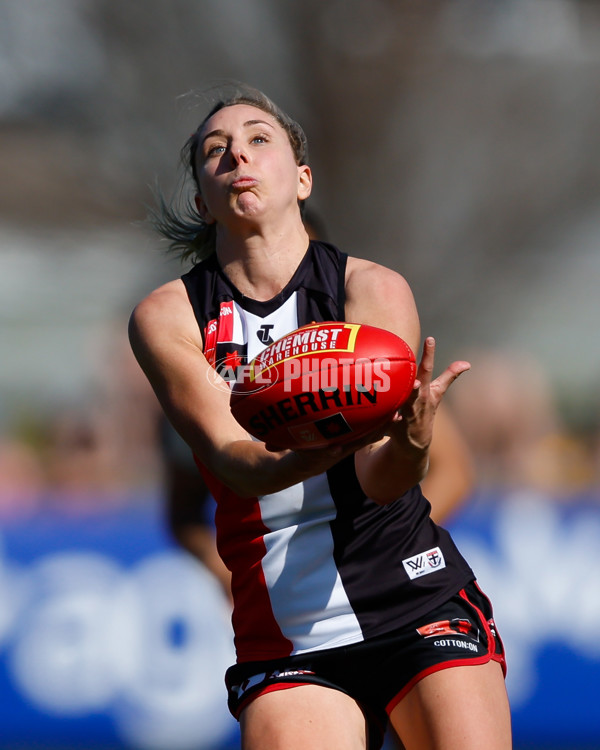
x=246 y=167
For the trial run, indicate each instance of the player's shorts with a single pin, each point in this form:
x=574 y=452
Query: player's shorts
x=379 y=672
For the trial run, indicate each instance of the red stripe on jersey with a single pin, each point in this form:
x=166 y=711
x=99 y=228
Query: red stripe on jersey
x=226 y=321
x=218 y=330
x=240 y=542
x=210 y=341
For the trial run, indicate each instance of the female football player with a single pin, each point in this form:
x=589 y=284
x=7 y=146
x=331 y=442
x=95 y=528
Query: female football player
x=351 y=606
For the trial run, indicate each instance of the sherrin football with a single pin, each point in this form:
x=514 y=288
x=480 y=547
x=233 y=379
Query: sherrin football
x=323 y=384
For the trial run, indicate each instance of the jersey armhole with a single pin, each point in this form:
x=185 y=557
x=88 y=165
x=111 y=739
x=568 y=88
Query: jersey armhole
x=190 y=284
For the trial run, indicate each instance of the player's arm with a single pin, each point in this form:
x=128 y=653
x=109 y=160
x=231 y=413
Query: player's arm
x=167 y=343
x=187 y=496
x=377 y=296
x=450 y=478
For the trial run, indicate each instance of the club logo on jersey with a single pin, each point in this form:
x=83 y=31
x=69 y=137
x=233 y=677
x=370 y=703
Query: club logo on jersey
x=424 y=563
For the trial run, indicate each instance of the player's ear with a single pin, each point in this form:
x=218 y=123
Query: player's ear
x=202 y=209
x=304 y=182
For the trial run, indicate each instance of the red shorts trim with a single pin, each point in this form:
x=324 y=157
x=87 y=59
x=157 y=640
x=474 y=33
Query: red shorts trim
x=432 y=670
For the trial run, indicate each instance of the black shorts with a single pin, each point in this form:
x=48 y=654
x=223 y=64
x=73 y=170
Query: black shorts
x=379 y=672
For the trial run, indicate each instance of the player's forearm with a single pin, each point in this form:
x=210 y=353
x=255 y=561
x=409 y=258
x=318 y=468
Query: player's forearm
x=250 y=470
x=388 y=470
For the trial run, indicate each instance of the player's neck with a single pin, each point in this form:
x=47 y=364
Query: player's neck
x=261 y=265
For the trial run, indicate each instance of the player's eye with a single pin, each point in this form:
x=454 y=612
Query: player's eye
x=216 y=149
x=259 y=138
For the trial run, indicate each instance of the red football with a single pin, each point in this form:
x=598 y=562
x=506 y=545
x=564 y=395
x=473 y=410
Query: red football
x=323 y=384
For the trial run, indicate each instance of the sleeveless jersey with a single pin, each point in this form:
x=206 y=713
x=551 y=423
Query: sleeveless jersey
x=317 y=565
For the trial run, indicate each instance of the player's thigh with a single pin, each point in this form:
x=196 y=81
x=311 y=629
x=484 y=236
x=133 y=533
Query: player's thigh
x=459 y=708
x=305 y=716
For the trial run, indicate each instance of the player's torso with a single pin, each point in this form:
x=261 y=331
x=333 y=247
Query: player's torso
x=316 y=565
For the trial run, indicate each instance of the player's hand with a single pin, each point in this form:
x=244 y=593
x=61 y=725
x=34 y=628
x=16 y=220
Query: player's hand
x=414 y=421
x=318 y=460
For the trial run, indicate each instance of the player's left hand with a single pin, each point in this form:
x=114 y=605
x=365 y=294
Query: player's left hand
x=413 y=423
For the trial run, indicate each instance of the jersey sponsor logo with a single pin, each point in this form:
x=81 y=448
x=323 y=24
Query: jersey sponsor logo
x=264 y=334
x=424 y=563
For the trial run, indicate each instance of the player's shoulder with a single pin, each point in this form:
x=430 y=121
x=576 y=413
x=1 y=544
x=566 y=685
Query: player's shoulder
x=364 y=275
x=167 y=305
x=170 y=295
x=378 y=296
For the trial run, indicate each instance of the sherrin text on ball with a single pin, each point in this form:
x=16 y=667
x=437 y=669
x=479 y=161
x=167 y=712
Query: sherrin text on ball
x=323 y=384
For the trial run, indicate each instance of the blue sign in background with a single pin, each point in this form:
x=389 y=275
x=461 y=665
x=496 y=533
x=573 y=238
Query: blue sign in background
x=110 y=637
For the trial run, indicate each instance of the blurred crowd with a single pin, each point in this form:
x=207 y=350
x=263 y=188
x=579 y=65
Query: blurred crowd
x=511 y=419
x=87 y=456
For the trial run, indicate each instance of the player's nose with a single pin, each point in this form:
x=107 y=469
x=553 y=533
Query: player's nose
x=239 y=153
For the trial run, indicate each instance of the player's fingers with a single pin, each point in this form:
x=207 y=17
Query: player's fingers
x=425 y=368
x=409 y=403
x=445 y=380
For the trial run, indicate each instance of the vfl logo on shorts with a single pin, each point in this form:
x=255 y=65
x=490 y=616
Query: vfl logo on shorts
x=424 y=563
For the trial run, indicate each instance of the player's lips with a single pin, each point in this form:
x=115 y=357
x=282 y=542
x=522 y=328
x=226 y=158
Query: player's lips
x=243 y=182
